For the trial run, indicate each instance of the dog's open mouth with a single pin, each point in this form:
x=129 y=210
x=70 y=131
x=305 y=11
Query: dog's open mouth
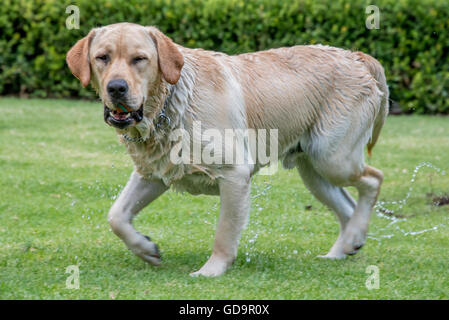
x=121 y=117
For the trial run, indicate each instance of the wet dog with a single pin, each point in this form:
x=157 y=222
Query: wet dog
x=326 y=104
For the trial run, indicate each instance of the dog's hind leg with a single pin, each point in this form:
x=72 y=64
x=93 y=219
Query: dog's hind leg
x=336 y=198
x=137 y=194
x=368 y=185
x=234 y=197
x=348 y=169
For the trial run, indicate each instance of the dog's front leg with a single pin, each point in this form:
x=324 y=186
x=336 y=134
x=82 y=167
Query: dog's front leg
x=234 y=197
x=137 y=193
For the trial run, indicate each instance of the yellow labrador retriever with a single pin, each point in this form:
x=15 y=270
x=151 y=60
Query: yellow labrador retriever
x=325 y=104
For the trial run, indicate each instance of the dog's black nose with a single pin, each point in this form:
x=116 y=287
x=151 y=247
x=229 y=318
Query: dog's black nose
x=117 y=88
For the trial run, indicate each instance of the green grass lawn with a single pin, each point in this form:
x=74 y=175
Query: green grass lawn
x=61 y=168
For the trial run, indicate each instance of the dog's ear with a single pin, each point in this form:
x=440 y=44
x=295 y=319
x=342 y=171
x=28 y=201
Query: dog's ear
x=170 y=58
x=78 y=59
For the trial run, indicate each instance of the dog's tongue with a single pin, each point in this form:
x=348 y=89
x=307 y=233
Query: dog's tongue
x=120 y=116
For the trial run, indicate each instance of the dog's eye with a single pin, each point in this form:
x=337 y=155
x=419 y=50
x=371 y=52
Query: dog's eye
x=138 y=59
x=104 y=58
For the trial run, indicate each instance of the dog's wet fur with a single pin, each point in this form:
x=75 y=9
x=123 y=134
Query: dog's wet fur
x=326 y=103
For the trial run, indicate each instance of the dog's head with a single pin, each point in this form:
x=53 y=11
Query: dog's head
x=126 y=63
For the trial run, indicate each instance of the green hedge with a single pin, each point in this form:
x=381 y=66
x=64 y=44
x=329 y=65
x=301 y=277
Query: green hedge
x=412 y=42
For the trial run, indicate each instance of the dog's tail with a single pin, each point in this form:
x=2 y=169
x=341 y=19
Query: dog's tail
x=376 y=69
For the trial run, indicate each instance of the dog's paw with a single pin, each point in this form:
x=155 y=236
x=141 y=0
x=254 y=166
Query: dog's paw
x=353 y=240
x=147 y=250
x=214 y=267
x=352 y=250
x=337 y=251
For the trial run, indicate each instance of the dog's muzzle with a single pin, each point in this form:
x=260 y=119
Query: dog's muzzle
x=122 y=120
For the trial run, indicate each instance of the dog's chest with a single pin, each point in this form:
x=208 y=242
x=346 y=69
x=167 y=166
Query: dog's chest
x=153 y=161
x=197 y=183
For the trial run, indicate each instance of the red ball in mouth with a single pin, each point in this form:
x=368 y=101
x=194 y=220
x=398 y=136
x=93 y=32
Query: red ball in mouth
x=120 y=115
x=121 y=119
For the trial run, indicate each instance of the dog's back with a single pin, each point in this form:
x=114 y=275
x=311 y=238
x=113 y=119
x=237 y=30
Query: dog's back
x=315 y=90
